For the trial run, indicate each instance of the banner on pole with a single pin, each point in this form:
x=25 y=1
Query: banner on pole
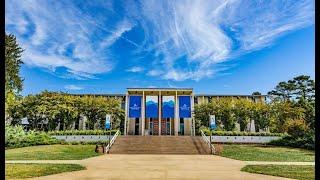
x=212 y=121
x=135 y=107
x=184 y=107
x=152 y=107
x=108 y=121
x=167 y=106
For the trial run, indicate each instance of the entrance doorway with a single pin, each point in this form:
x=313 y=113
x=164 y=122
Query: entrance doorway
x=136 y=126
x=166 y=126
x=181 y=126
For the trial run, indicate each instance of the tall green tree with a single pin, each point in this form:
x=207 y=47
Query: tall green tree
x=13 y=81
x=13 y=52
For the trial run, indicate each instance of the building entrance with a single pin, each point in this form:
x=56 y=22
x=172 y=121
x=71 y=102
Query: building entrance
x=166 y=126
x=153 y=128
x=136 y=126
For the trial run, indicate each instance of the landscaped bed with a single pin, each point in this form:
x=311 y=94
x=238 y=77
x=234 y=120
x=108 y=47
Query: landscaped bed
x=52 y=152
x=288 y=171
x=36 y=170
x=266 y=153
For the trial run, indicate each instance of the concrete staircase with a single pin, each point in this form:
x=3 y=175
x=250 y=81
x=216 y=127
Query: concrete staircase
x=159 y=145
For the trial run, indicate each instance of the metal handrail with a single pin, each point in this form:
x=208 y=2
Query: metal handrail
x=208 y=142
x=112 y=141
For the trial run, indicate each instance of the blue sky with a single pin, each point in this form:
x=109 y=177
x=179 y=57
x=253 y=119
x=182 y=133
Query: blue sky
x=217 y=47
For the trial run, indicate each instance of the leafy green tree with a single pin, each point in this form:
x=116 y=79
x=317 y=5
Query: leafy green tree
x=243 y=110
x=261 y=115
x=201 y=114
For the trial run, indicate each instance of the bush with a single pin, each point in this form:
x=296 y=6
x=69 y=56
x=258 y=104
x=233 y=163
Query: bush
x=307 y=141
x=296 y=128
x=16 y=137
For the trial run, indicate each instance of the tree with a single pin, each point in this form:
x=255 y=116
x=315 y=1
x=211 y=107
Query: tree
x=243 y=109
x=256 y=93
x=13 y=52
x=283 y=91
x=13 y=81
x=304 y=88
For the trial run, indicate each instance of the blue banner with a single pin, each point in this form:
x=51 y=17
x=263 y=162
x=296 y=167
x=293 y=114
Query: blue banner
x=184 y=107
x=135 y=107
x=167 y=106
x=152 y=107
x=108 y=121
x=212 y=122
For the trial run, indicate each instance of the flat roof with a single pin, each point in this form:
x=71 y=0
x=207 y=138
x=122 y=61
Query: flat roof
x=161 y=88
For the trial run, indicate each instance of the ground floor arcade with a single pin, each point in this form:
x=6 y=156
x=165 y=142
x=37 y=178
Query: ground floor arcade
x=163 y=111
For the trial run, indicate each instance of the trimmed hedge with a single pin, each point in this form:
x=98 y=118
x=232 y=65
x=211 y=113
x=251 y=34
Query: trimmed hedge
x=83 y=142
x=237 y=133
x=82 y=132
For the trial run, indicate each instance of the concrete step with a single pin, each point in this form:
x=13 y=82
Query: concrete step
x=159 y=145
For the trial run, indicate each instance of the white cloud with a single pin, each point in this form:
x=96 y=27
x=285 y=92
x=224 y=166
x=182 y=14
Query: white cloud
x=63 y=37
x=72 y=87
x=135 y=69
x=209 y=32
x=186 y=39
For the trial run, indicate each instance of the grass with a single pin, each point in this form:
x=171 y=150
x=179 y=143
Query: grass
x=288 y=171
x=36 y=170
x=266 y=153
x=52 y=152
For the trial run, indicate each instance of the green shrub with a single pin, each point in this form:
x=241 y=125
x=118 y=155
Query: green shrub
x=307 y=141
x=296 y=128
x=16 y=137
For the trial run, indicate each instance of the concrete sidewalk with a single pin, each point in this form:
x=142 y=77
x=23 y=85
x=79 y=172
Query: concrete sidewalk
x=113 y=166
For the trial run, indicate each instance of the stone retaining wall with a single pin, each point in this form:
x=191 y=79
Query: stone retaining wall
x=78 y=138
x=243 y=139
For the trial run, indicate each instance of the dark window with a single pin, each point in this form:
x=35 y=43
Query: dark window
x=195 y=100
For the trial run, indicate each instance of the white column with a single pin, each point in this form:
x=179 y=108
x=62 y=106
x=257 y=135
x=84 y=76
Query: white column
x=126 y=114
x=143 y=114
x=160 y=110
x=176 y=115
x=193 y=130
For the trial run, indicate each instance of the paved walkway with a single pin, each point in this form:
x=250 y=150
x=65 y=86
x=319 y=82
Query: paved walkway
x=116 y=166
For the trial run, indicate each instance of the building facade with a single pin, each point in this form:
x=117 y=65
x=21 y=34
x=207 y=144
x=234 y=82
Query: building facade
x=164 y=111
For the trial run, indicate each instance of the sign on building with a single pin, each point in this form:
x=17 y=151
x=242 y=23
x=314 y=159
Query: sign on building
x=167 y=106
x=152 y=107
x=212 y=121
x=184 y=107
x=108 y=121
x=135 y=107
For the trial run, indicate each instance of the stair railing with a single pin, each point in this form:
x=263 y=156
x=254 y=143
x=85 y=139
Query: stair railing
x=112 y=141
x=208 y=142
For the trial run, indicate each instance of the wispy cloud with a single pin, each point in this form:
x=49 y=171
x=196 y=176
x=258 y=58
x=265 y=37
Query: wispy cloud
x=73 y=87
x=58 y=34
x=135 y=69
x=206 y=32
x=185 y=39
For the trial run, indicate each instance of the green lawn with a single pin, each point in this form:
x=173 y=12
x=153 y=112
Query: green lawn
x=35 y=170
x=266 y=153
x=52 y=152
x=288 y=171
